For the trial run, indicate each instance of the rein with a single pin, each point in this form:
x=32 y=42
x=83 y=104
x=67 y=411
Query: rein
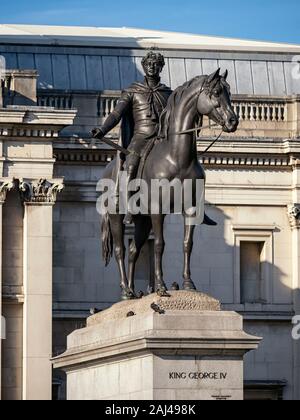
x=212 y=144
x=192 y=130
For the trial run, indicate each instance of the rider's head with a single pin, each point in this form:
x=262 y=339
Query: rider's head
x=153 y=63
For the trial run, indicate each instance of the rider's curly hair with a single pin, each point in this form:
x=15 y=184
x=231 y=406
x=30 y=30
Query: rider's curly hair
x=153 y=55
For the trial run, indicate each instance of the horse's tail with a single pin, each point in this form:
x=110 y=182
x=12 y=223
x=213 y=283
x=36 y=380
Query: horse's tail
x=107 y=239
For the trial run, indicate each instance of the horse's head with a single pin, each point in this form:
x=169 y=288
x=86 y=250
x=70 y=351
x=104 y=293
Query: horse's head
x=215 y=102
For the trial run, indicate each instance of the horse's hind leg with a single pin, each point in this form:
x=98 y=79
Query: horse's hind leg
x=143 y=227
x=117 y=229
x=188 y=244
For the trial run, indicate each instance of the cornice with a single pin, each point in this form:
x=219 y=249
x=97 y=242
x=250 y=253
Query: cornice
x=232 y=160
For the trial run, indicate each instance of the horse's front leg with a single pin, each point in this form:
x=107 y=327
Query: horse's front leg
x=159 y=247
x=142 y=231
x=188 y=244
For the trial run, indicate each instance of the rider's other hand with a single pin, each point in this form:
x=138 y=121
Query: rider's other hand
x=97 y=133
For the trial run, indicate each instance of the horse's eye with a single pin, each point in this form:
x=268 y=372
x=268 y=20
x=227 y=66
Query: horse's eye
x=217 y=92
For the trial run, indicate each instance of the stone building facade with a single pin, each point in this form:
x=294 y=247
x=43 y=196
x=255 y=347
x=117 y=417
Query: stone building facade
x=61 y=82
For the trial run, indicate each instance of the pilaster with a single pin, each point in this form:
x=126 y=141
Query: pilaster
x=5 y=186
x=39 y=197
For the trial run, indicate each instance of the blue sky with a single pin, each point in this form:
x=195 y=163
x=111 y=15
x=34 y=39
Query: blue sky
x=273 y=20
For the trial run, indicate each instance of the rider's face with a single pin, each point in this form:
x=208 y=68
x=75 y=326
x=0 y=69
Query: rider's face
x=152 y=68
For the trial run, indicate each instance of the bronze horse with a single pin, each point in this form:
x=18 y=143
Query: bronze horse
x=174 y=156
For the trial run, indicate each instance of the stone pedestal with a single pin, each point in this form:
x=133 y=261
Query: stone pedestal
x=181 y=347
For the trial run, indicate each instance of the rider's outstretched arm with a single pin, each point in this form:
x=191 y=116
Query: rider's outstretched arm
x=115 y=117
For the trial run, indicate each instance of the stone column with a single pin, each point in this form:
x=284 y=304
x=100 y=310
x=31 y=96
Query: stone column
x=4 y=187
x=39 y=198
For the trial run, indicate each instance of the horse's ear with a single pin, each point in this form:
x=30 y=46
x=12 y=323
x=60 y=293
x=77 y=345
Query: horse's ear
x=225 y=75
x=213 y=76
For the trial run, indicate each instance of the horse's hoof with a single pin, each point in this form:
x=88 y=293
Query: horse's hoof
x=162 y=291
x=128 y=294
x=189 y=285
x=150 y=290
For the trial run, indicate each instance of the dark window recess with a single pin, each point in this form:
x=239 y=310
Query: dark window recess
x=264 y=390
x=252 y=273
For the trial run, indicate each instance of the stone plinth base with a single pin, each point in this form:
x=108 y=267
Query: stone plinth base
x=181 y=347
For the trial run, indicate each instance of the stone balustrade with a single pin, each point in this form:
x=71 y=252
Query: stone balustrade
x=261 y=109
x=260 y=116
x=56 y=100
x=264 y=116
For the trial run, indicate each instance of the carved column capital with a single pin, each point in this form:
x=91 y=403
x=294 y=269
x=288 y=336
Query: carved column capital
x=5 y=186
x=294 y=215
x=41 y=191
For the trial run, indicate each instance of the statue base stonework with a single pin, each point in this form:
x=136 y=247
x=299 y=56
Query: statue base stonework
x=181 y=347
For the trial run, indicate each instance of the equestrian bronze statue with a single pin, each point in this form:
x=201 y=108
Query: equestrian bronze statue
x=160 y=124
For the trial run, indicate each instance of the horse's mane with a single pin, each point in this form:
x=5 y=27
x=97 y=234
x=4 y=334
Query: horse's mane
x=174 y=100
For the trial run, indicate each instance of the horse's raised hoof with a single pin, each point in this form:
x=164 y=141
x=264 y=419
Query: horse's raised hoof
x=189 y=285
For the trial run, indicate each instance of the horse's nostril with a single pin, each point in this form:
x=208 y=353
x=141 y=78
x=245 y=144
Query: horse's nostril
x=233 y=120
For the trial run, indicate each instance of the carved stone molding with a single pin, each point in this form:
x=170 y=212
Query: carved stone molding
x=294 y=215
x=105 y=156
x=28 y=132
x=5 y=186
x=41 y=191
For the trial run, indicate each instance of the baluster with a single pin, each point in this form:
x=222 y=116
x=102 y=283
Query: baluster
x=260 y=112
x=277 y=112
x=101 y=107
x=272 y=112
x=268 y=112
x=265 y=112
x=244 y=112
x=284 y=112
x=107 y=107
x=252 y=112
x=112 y=106
x=249 y=112
x=237 y=110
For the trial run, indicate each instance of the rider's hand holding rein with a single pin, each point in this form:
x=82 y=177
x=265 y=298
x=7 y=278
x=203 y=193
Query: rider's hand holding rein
x=97 y=133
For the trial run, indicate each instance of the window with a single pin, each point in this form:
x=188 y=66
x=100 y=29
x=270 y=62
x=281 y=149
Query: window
x=253 y=264
x=251 y=275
